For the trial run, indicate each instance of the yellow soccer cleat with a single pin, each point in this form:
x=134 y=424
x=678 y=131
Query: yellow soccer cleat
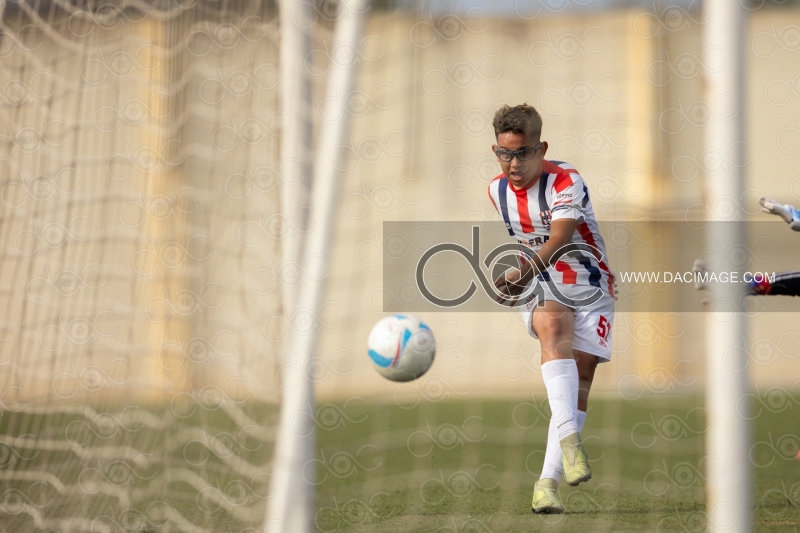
x=575 y=460
x=545 y=497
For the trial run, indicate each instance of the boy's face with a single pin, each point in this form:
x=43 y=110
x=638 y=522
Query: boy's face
x=521 y=170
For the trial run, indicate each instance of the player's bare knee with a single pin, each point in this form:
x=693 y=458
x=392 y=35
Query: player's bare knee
x=549 y=326
x=555 y=344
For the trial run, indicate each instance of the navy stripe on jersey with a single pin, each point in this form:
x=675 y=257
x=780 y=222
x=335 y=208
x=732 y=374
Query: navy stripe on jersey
x=585 y=196
x=594 y=272
x=543 y=207
x=502 y=190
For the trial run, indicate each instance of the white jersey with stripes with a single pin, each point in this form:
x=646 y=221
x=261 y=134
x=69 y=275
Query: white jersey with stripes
x=560 y=192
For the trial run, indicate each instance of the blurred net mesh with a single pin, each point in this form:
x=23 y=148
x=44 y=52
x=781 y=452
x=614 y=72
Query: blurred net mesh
x=140 y=234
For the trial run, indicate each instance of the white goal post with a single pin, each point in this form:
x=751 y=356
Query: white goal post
x=728 y=487
x=291 y=506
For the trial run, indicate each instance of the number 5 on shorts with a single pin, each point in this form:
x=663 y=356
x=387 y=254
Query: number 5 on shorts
x=603 y=328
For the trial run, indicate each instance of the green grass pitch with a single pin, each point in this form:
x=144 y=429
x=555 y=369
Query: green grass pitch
x=470 y=466
x=411 y=466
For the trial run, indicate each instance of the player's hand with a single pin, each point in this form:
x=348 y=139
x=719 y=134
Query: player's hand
x=616 y=291
x=768 y=205
x=787 y=212
x=510 y=285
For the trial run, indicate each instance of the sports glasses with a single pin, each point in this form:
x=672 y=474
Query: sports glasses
x=523 y=153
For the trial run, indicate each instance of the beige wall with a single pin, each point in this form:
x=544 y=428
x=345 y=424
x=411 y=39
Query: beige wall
x=614 y=88
x=620 y=94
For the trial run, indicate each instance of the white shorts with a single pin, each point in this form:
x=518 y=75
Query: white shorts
x=592 y=323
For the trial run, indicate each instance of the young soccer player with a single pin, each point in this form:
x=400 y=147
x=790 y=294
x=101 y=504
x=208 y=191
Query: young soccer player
x=545 y=206
x=784 y=283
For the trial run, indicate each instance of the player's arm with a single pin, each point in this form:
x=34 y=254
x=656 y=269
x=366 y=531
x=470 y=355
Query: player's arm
x=512 y=283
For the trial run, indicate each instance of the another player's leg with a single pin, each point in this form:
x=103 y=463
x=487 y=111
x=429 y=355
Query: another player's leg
x=782 y=284
x=554 y=325
x=700 y=270
x=787 y=212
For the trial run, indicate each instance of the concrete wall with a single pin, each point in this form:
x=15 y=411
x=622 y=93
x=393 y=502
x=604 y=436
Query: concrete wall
x=621 y=97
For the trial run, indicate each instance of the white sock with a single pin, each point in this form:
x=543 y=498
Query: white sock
x=561 y=380
x=553 y=468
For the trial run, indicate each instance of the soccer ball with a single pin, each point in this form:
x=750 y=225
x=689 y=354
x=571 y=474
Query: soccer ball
x=401 y=347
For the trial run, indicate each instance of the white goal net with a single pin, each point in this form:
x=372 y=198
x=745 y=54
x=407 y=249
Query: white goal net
x=141 y=237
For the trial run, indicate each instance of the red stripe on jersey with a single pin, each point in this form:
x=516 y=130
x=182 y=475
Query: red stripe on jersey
x=562 y=181
x=522 y=209
x=570 y=277
x=550 y=167
x=586 y=233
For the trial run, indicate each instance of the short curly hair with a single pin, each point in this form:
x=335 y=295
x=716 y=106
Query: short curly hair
x=522 y=119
